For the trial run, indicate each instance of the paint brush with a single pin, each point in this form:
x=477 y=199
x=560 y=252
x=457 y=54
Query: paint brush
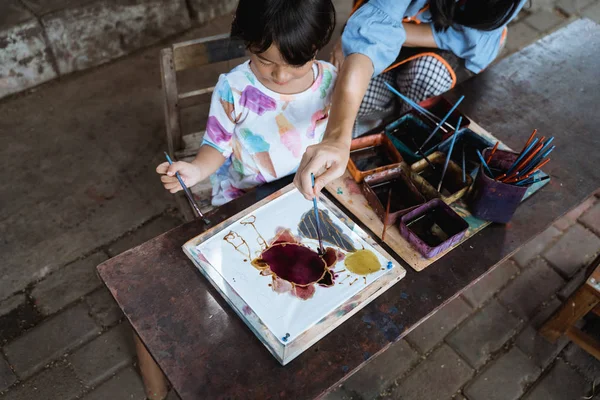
x=532 y=181
x=318 y=222
x=439 y=188
x=489 y=158
x=522 y=176
x=188 y=193
x=518 y=167
x=529 y=140
x=387 y=213
x=443 y=121
x=419 y=152
x=428 y=114
x=521 y=156
x=464 y=165
x=541 y=155
x=484 y=164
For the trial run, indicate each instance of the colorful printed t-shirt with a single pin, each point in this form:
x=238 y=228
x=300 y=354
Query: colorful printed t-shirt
x=263 y=134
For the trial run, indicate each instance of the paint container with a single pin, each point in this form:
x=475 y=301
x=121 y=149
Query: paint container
x=427 y=179
x=439 y=106
x=402 y=132
x=433 y=228
x=471 y=142
x=372 y=154
x=405 y=196
x=493 y=200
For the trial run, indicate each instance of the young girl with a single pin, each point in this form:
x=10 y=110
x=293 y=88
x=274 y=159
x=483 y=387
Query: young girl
x=267 y=111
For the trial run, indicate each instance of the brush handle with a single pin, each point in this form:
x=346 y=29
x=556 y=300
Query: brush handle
x=521 y=156
x=464 y=166
x=187 y=192
x=430 y=116
x=317 y=220
x=443 y=121
x=485 y=164
x=439 y=188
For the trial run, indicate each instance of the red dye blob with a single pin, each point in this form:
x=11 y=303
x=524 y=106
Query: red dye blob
x=295 y=263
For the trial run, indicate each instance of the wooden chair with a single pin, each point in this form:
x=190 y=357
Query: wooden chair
x=586 y=299
x=194 y=59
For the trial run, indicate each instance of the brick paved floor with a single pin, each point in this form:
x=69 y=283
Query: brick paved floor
x=484 y=345
x=62 y=336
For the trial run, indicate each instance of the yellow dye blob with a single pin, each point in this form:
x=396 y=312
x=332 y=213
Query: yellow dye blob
x=362 y=262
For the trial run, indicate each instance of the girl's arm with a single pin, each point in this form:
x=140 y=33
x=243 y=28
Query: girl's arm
x=207 y=161
x=216 y=146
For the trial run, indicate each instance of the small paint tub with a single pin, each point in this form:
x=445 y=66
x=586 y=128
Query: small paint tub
x=433 y=228
x=372 y=154
x=405 y=196
x=402 y=132
x=493 y=200
x=427 y=179
x=471 y=142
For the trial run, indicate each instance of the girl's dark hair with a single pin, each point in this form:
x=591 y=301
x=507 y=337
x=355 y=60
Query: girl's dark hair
x=299 y=28
x=485 y=15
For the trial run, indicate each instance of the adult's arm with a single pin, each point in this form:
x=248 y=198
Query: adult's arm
x=328 y=159
x=371 y=42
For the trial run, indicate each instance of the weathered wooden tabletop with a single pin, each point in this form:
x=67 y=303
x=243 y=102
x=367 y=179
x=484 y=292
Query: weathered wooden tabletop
x=207 y=352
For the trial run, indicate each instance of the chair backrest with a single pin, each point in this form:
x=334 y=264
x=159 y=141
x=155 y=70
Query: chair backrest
x=183 y=56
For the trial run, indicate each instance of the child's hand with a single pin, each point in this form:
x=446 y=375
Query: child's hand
x=190 y=173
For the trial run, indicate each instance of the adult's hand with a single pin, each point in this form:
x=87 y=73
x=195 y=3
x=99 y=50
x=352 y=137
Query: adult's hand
x=328 y=159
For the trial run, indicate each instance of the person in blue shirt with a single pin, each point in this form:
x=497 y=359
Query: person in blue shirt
x=423 y=47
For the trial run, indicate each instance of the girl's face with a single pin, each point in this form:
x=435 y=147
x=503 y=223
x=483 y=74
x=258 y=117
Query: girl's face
x=277 y=75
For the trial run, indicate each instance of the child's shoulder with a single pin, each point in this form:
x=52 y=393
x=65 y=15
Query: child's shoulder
x=328 y=67
x=239 y=76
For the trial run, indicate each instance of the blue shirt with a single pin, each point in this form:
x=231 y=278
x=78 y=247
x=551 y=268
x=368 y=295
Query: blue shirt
x=376 y=31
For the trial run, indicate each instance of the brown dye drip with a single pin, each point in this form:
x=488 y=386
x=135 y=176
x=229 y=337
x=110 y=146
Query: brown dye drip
x=402 y=196
x=449 y=186
x=250 y=221
x=238 y=243
x=428 y=228
x=371 y=157
x=362 y=262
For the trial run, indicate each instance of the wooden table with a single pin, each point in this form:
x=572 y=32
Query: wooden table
x=207 y=352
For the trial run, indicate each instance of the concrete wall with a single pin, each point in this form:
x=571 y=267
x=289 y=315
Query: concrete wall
x=43 y=39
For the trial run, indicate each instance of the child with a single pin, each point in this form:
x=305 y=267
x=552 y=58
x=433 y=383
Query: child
x=267 y=111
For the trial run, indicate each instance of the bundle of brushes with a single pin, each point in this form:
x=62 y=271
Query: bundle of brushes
x=526 y=168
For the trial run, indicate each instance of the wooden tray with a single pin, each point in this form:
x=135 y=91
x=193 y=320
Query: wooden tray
x=349 y=194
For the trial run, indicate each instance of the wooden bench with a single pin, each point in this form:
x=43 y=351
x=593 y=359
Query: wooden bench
x=189 y=71
x=586 y=299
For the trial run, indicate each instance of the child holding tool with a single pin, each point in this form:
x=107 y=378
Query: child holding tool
x=267 y=111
